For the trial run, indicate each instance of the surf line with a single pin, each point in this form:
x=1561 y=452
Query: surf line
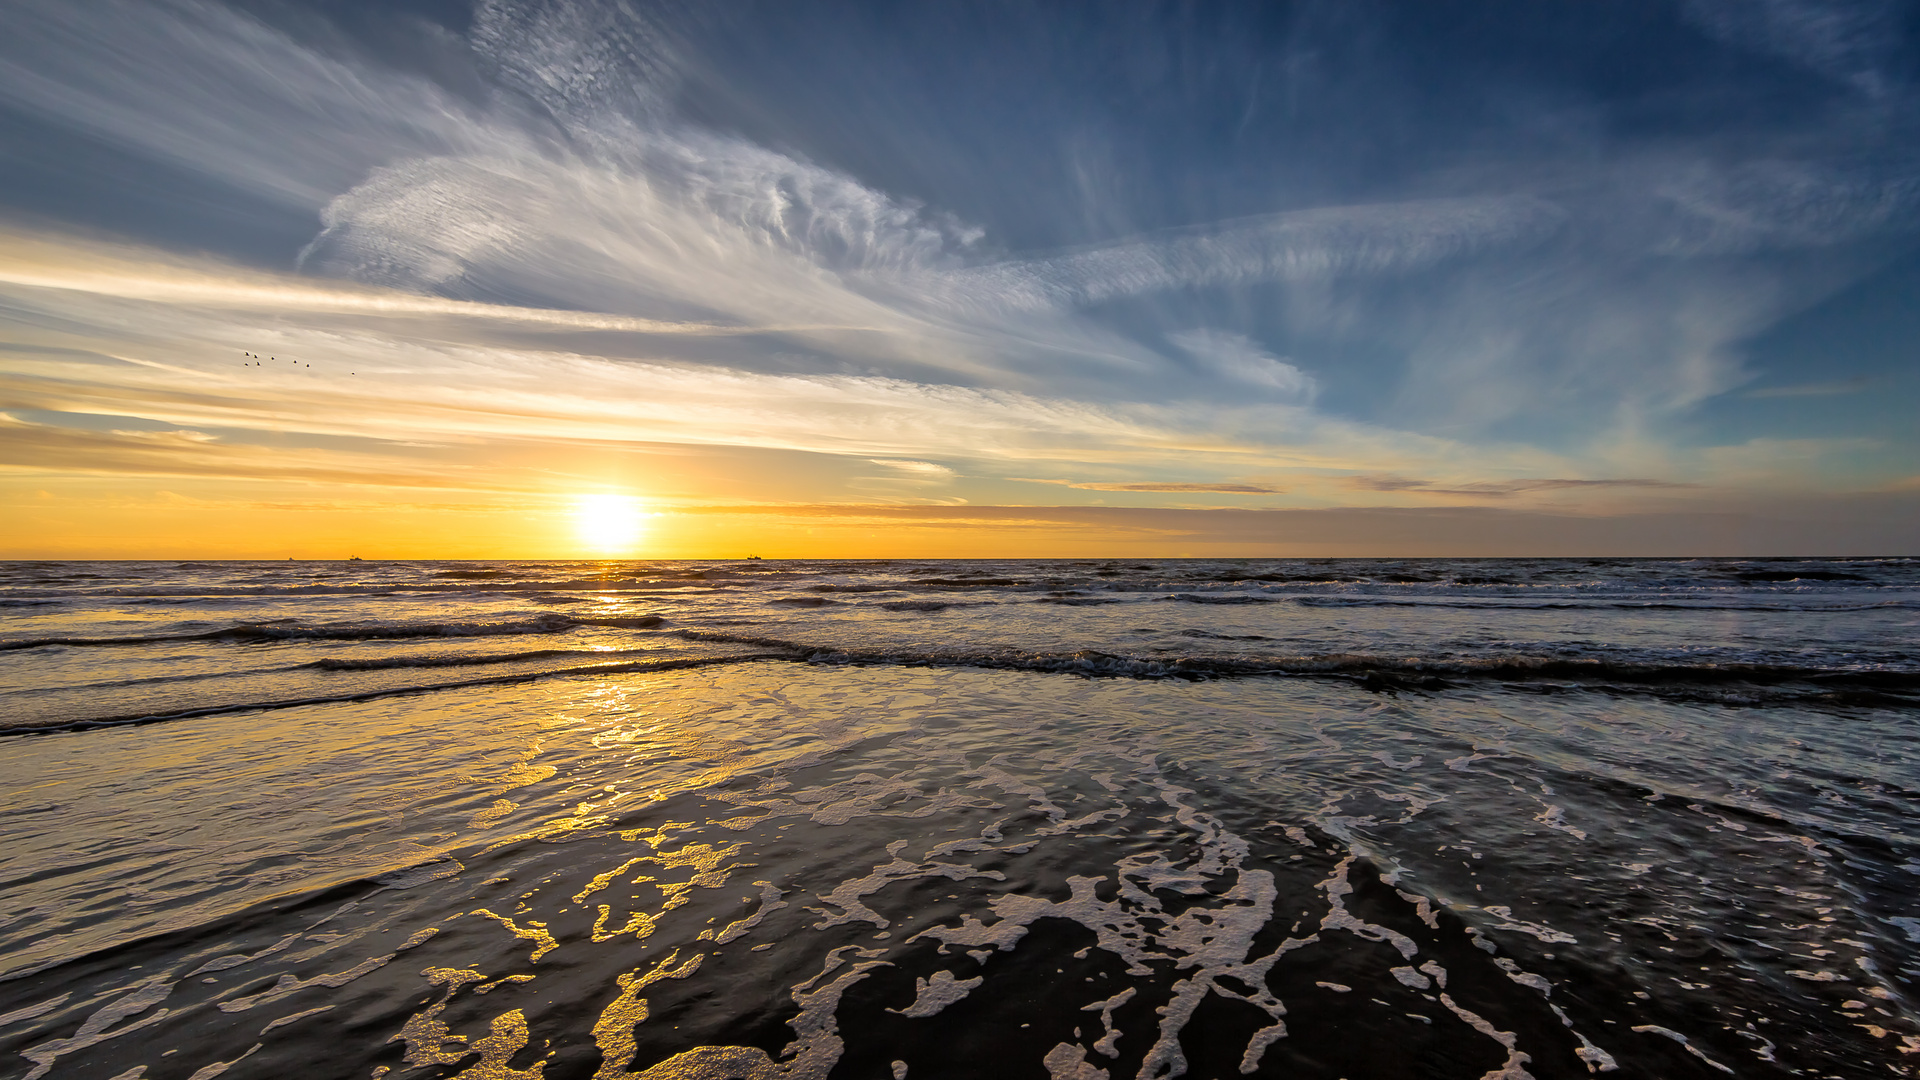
x=396 y=691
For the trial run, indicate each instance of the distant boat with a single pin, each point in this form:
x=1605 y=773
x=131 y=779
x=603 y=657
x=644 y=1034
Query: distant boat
x=356 y=558
x=754 y=558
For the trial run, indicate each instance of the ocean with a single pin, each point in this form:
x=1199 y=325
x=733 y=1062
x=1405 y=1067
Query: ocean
x=960 y=818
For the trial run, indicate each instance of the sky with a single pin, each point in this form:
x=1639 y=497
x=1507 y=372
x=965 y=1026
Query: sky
x=603 y=278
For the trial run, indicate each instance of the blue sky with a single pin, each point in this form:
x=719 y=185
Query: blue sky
x=1569 y=261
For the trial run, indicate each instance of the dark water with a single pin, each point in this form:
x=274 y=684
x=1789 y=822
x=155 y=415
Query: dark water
x=1449 y=818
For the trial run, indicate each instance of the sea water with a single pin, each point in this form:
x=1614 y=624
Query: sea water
x=1068 y=819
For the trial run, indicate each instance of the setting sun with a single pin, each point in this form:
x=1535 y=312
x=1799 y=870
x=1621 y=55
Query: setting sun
x=608 y=523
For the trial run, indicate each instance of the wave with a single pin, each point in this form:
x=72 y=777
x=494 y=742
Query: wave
x=927 y=606
x=1724 y=683
x=1559 y=581
x=372 y=588
x=1417 y=672
x=376 y=663
x=1595 y=603
x=634 y=667
x=387 y=663
x=1535 y=597
x=150 y=680
x=1346 y=579
x=262 y=633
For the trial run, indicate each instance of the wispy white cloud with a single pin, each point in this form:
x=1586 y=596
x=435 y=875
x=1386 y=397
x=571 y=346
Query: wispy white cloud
x=1825 y=389
x=209 y=89
x=1771 y=204
x=1157 y=486
x=41 y=261
x=1499 y=489
x=1298 y=246
x=448 y=378
x=1237 y=357
x=924 y=470
x=384 y=371
x=1847 y=40
x=686 y=228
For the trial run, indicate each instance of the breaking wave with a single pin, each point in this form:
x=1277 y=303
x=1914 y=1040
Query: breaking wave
x=260 y=633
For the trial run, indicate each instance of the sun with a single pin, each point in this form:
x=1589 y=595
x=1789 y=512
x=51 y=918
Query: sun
x=608 y=524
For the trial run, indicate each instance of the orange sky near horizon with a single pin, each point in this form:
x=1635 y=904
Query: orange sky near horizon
x=95 y=518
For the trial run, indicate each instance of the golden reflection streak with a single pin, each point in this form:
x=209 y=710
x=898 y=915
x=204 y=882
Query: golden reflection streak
x=639 y=924
x=613 y=1032
x=508 y=1037
x=601 y=881
x=425 y=1034
x=534 y=932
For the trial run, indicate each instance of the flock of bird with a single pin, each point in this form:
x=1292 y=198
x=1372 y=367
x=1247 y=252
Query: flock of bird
x=253 y=360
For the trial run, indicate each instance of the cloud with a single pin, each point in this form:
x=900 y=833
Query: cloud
x=1296 y=246
x=578 y=58
x=1227 y=489
x=44 y=449
x=1826 y=389
x=920 y=469
x=214 y=91
x=456 y=385
x=1867 y=524
x=164 y=340
x=1846 y=40
x=1496 y=488
x=1779 y=204
x=576 y=186
x=909 y=480
x=1237 y=357
x=670 y=221
x=42 y=261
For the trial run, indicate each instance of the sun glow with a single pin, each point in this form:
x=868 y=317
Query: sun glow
x=608 y=523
